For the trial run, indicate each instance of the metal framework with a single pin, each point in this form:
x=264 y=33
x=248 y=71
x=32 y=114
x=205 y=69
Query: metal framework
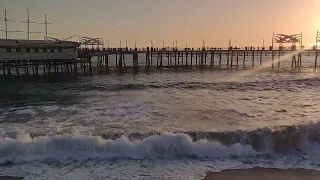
x=86 y=41
x=285 y=39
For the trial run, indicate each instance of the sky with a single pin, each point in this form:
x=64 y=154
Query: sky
x=189 y=22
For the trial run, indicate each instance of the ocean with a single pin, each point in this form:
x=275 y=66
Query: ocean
x=158 y=125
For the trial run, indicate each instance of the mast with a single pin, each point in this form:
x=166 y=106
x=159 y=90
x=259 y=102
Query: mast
x=46 y=27
x=301 y=41
x=272 y=39
x=46 y=24
x=6 y=22
x=317 y=39
x=28 y=24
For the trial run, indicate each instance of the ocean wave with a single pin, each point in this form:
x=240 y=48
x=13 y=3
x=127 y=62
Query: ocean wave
x=268 y=139
x=294 y=85
x=64 y=148
x=156 y=145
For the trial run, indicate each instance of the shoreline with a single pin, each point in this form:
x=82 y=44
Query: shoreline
x=10 y=178
x=247 y=174
x=264 y=174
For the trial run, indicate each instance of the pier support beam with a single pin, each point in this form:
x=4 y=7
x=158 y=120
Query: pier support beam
x=237 y=59
x=252 y=58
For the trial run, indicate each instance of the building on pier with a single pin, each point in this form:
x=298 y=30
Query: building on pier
x=17 y=49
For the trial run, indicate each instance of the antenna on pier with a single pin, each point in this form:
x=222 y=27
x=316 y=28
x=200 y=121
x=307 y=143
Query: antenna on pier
x=317 y=39
x=272 y=40
x=28 y=24
x=6 y=22
x=301 y=45
x=46 y=25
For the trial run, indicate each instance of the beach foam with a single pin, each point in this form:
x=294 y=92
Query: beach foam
x=23 y=148
x=64 y=148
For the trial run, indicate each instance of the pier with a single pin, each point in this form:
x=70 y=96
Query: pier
x=198 y=59
x=88 y=56
x=123 y=60
x=44 y=67
x=94 y=59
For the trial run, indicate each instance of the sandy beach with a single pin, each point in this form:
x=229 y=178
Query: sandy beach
x=264 y=174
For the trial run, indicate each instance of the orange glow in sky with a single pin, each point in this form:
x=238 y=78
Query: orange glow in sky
x=246 y=22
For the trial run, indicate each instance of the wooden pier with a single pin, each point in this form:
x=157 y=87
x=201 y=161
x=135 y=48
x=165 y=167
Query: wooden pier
x=121 y=60
x=215 y=58
x=38 y=67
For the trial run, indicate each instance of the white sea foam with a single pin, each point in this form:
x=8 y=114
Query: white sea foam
x=81 y=148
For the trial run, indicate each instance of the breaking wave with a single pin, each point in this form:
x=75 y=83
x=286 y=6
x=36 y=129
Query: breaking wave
x=269 y=139
x=81 y=148
x=138 y=146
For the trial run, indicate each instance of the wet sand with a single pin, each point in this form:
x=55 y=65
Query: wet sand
x=264 y=174
x=10 y=178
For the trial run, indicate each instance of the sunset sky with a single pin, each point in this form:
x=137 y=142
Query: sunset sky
x=246 y=22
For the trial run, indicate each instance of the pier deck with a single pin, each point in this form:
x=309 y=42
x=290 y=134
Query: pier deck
x=107 y=60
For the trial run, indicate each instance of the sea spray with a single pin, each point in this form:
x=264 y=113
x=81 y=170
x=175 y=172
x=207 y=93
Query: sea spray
x=151 y=145
x=64 y=148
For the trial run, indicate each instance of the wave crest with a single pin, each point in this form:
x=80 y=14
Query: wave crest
x=153 y=145
x=81 y=148
x=279 y=139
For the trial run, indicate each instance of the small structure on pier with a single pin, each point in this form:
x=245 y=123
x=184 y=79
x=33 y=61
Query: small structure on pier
x=26 y=54
x=284 y=39
x=95 y=43
x=287 y=39
x=50 y=55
